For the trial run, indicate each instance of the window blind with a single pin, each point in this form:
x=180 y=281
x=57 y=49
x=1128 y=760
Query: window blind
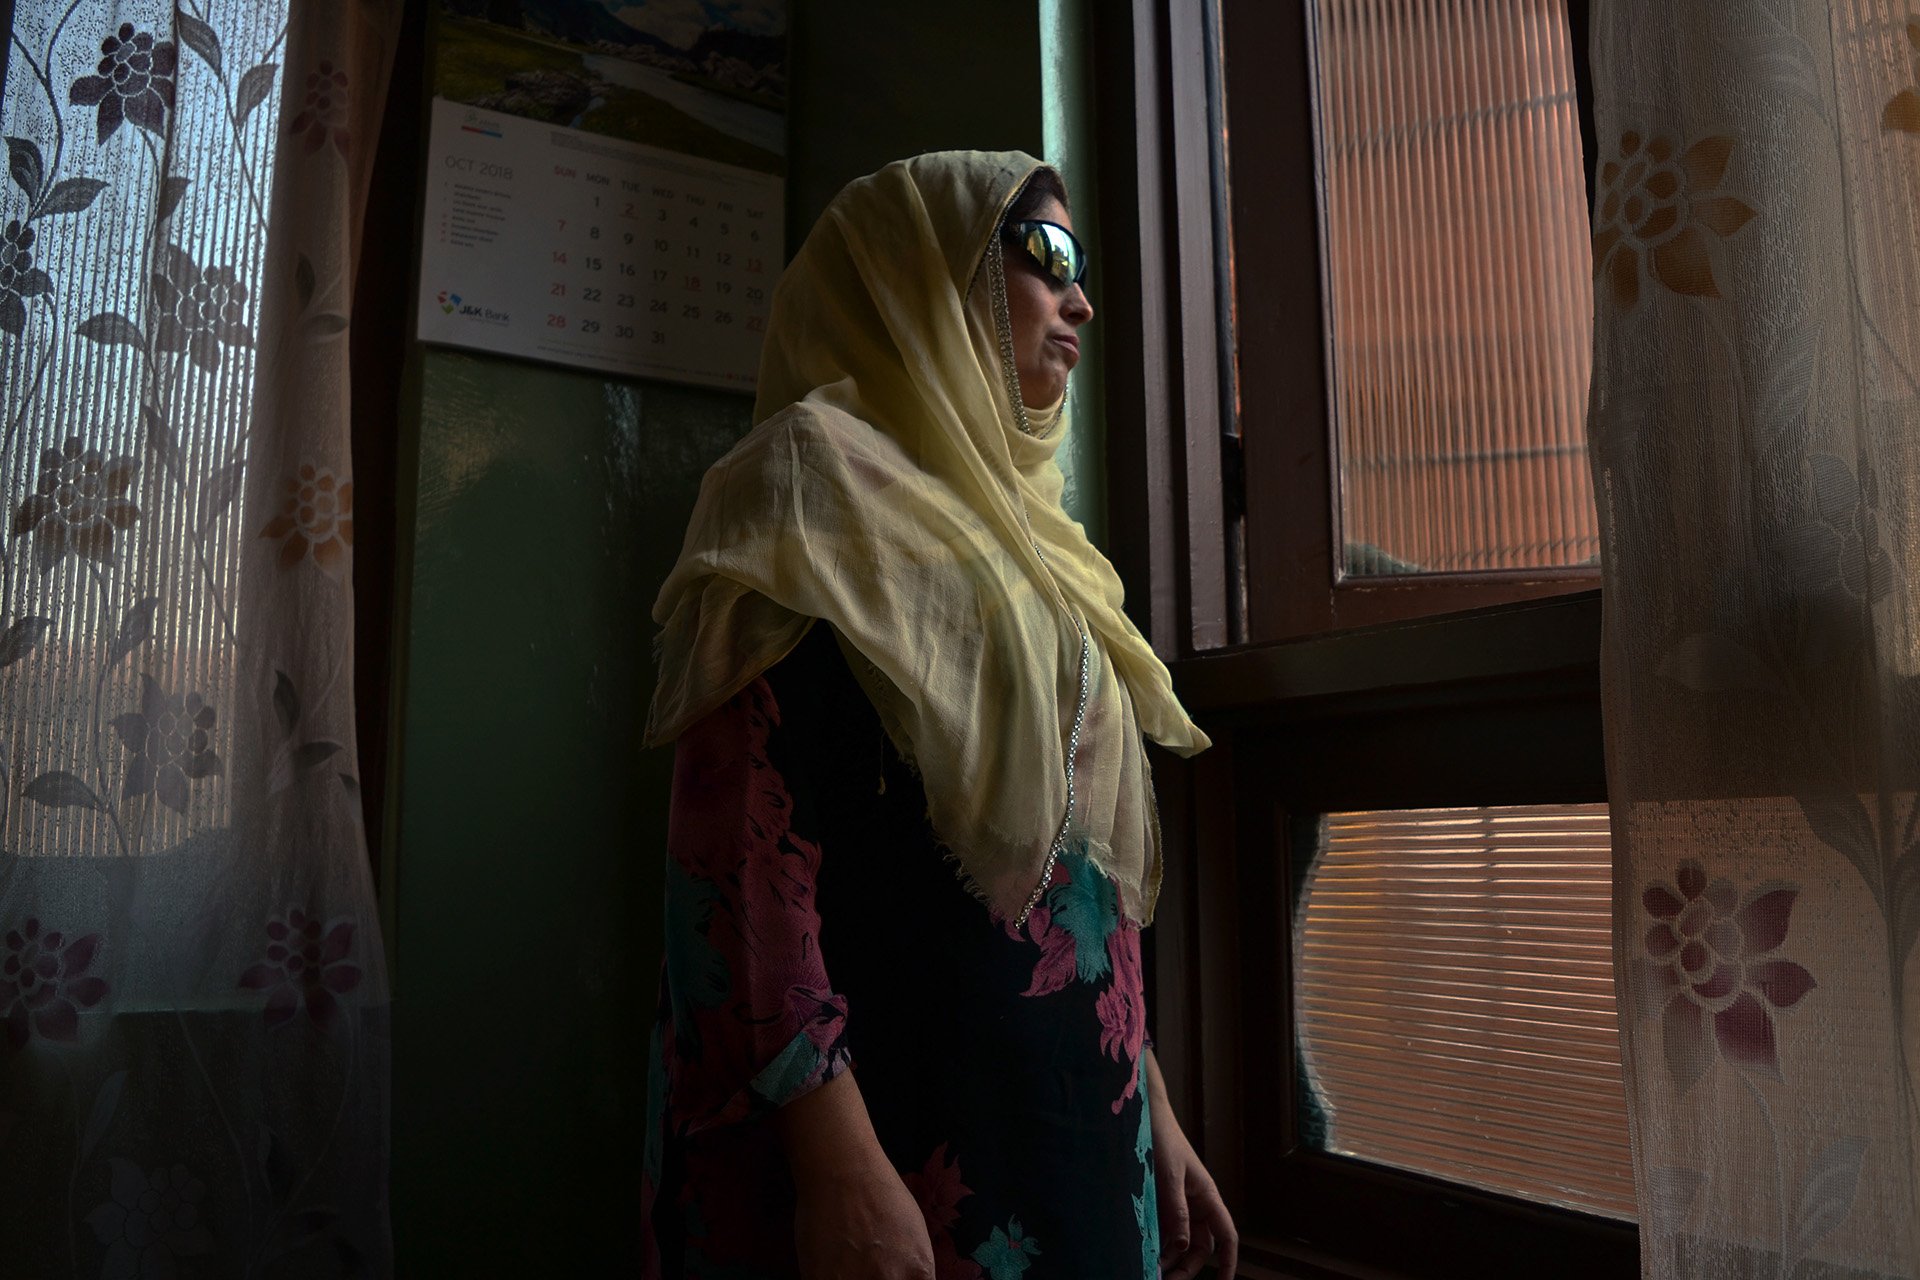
x=1453 y=983
x=1458 y=271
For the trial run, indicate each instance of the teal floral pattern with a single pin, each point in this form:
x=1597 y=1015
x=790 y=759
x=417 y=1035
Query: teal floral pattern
x=787 y=1075
x=1146 y=1205
x=1007 y=1253
x=1087 y=905
x=696 y=973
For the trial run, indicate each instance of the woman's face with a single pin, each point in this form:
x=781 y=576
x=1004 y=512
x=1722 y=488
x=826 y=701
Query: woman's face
x=1044 y=317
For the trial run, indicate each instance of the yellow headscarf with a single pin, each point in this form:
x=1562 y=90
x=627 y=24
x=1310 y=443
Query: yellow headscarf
x=889 y=489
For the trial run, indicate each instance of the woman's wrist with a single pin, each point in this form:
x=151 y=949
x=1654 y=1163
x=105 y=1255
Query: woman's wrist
x=1159 y=1107
x=827 y=1134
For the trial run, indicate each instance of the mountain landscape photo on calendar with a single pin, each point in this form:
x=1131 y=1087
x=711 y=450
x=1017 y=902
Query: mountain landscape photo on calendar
x=704 y=77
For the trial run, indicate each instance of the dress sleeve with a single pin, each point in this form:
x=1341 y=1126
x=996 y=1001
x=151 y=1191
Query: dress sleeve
x=754 y=1022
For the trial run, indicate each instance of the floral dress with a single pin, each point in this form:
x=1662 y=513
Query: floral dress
x=814 y=927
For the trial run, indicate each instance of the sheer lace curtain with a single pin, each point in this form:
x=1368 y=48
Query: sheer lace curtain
x=193 y=1001
x=1756 y=449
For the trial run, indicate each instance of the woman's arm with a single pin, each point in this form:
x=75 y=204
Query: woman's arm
x=854 y=1219
x=755 y=1019
x=1194 y=1222
x=756 y=1030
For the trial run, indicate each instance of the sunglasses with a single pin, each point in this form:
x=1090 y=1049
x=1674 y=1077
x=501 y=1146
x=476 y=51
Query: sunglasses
x=1052 y=246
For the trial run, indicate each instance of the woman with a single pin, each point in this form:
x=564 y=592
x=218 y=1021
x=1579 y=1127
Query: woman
x=902 y=1031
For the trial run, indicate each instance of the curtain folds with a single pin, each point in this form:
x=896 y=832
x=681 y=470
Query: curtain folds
x=193 y=996
x=1755 y=438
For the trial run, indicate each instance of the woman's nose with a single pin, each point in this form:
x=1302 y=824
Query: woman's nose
x=1075 y=309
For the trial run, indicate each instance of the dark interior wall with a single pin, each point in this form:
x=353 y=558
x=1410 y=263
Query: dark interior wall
x=886 y=81
x=540 y=508
x=877 y=82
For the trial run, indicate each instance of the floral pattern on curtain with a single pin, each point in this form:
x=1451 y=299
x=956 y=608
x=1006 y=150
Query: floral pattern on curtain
x=193 y=995
x=1756 y=453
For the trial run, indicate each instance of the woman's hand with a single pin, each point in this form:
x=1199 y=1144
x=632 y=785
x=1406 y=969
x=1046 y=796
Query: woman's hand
x=861 y=1224
x=1194 y=1222
x=853 y=1218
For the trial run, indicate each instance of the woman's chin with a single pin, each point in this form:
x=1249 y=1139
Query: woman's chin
x=1040 y=399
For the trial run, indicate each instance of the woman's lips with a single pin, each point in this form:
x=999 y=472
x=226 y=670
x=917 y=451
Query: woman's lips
x=1072 y=345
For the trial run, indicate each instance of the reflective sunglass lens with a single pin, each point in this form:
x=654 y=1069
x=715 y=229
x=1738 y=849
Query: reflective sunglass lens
x=1056 y=251
x=1041 y=249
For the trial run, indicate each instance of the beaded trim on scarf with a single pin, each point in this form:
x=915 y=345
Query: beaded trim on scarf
x=1003 y=327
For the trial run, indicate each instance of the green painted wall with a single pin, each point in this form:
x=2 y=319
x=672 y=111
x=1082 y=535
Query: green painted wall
x=527 y=826
x=549 y=505
x=1068 y=117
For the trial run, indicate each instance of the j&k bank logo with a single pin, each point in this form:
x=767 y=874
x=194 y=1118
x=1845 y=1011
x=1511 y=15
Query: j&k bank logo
x=453 y=304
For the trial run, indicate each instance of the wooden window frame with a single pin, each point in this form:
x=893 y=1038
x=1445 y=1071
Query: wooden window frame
x=1219 y=416
x=1292 y=475
x=1489 y=707
x=1164 y=295
x=1320 y=695
x=380 y=339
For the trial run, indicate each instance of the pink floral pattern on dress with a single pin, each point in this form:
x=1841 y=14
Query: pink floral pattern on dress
x=1122 y=1007
x=767 y=809
x=1055 y=967
x=938 y=1190
x=741 y=897
x=1712 y=962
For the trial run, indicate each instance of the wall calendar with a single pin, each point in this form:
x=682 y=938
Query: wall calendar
x=558 y=244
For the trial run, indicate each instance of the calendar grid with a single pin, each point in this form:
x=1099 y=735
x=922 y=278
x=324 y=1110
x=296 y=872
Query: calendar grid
x=574 y=248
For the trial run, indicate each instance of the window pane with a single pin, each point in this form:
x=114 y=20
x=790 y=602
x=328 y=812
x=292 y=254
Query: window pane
x=1453 y=987
x=1459 y=295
